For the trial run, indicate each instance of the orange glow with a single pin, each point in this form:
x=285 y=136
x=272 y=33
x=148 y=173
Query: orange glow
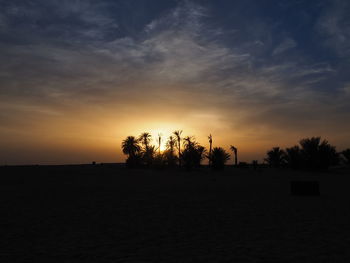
x=95 y=134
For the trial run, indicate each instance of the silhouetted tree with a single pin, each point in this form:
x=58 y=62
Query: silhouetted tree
x=145 y=139
x=318 y=155
x=131 y=148
x=189 y=142
x=210 y=138
x=346 y=155
x=148 y=150
x=178 y=137
x=148 y=155
x=275 y=157
x=158 y=160
x=219 y=158
x=200 y=150
x=293 y=157
x=234 y=149
x=159 y=141
x=169 y=154
x=171 y=144
x=192 y=154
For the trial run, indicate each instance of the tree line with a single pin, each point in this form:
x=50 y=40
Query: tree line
x=311 y=153
x=179 y=151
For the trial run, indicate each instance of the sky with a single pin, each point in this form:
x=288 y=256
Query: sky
x=78 y=76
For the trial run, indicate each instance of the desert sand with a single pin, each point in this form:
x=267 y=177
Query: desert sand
x=107 y=213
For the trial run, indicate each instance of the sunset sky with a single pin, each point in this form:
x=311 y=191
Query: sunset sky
x=77 y=77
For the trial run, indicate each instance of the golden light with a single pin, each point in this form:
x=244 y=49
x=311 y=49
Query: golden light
x=164 y=133
x=163 y=146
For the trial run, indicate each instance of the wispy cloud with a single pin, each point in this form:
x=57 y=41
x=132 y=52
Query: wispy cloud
x=334 y=26
x=286 y=44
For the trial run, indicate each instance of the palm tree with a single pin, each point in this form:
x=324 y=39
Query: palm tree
x=178 y=137
x=189 y=142
x=293 y=157
x=193 y=153
x=275 y=157
x=219 y=158
x=148 y=150
x=131 y=148
x=234 y=149
x=200 y=154
x=318 y=154
x=148 y=155
x=170 y=151
x=145 y=138
x=171 y=144
x=159 y=141
x=210 y=138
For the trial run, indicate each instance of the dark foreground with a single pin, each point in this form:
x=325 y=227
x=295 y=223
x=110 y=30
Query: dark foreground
x=110 y=214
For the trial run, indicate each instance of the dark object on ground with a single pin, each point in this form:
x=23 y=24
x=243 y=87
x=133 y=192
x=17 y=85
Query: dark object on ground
x=307 y=188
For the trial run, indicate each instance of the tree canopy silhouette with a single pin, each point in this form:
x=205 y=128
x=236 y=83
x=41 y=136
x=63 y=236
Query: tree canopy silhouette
x=131 y=148
x=219 y=157
x=293 y=157
x=170 y=157
x=192 y=154
x=312 y=154
x=317 y=154
x=178 y=133
x=275 y=157
x=140 y=151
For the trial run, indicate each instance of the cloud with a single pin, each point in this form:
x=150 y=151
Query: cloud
x=285 y=45
x=334 y=26
x=176 y=49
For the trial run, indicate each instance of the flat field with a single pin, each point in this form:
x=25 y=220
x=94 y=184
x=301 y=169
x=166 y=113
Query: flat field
x=107 y=213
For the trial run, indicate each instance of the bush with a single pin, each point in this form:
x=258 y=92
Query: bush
x=218 y=158
x=192 y=156
x=276 y=157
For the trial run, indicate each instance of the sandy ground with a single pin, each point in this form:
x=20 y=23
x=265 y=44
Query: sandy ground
x=109 y=214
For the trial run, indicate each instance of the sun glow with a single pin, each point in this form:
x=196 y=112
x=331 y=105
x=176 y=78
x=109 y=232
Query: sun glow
x=163 y=146
x=164 y=135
